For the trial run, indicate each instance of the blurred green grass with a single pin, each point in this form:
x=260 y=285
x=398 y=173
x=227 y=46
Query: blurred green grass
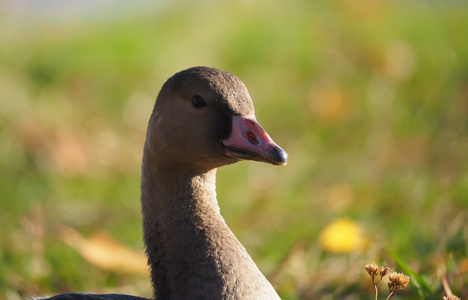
x=370 y=99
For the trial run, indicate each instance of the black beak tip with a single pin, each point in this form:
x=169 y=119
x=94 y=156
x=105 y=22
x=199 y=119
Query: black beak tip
x=280 y=156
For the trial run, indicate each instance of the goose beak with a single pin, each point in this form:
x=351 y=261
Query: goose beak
x=249 y=141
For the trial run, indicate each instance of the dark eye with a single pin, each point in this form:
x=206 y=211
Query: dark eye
x=198 y=101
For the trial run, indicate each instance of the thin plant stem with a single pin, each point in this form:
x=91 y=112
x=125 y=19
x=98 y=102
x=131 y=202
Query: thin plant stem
x=376 y=290
x=391 y=295
x=376 y=286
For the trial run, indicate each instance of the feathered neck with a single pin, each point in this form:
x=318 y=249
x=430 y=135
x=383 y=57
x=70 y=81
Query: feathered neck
x=192 y=252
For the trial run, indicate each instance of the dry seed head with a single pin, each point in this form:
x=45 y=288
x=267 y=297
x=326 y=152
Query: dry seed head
x=451 y=297
x=397 y=282
x=372 y=269
x=384 y=271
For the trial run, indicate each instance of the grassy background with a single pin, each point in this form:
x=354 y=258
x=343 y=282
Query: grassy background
x=369 y=98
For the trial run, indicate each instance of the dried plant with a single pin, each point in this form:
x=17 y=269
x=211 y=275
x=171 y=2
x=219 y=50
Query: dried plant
x=451 y=297
x=399 y=281
x=396 y=283
x=375 y=272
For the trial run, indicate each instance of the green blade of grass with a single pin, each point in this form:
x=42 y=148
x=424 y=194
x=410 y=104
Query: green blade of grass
x=422 y=287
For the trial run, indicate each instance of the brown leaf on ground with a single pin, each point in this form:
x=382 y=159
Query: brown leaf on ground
x=105 y=252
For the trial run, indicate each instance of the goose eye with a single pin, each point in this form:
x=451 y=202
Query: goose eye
x=198 y=101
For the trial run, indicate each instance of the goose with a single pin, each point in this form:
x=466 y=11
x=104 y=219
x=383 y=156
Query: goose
x=203 y=119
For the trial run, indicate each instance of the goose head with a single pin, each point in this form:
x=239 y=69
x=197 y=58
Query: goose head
x=204 y=118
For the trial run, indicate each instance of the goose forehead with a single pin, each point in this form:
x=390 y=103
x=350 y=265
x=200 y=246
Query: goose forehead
x=224 y=87
x=235 y=97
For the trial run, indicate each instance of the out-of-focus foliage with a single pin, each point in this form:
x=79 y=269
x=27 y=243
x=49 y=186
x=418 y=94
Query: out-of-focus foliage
x=369 y=98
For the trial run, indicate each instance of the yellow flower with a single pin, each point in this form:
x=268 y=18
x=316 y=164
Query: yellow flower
x=342 y=236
